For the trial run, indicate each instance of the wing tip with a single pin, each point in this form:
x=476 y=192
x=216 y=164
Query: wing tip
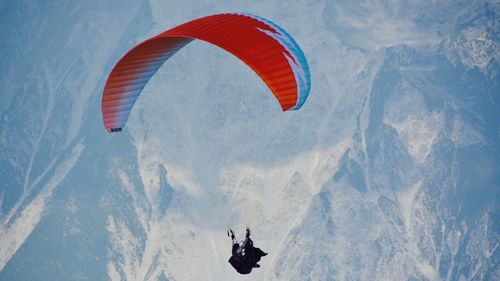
x=114 y=130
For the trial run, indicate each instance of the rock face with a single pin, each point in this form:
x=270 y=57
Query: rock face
x=388 y=172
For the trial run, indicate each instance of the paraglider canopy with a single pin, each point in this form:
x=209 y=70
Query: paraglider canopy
x=268 y=49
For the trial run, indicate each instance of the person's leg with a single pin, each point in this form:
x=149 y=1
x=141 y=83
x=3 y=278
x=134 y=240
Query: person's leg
x=258 y=253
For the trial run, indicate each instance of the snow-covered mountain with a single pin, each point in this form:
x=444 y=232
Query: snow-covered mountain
x=390 y=171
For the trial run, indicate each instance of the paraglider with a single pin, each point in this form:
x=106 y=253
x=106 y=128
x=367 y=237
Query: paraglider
x=244 y=256
x=265 y=47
